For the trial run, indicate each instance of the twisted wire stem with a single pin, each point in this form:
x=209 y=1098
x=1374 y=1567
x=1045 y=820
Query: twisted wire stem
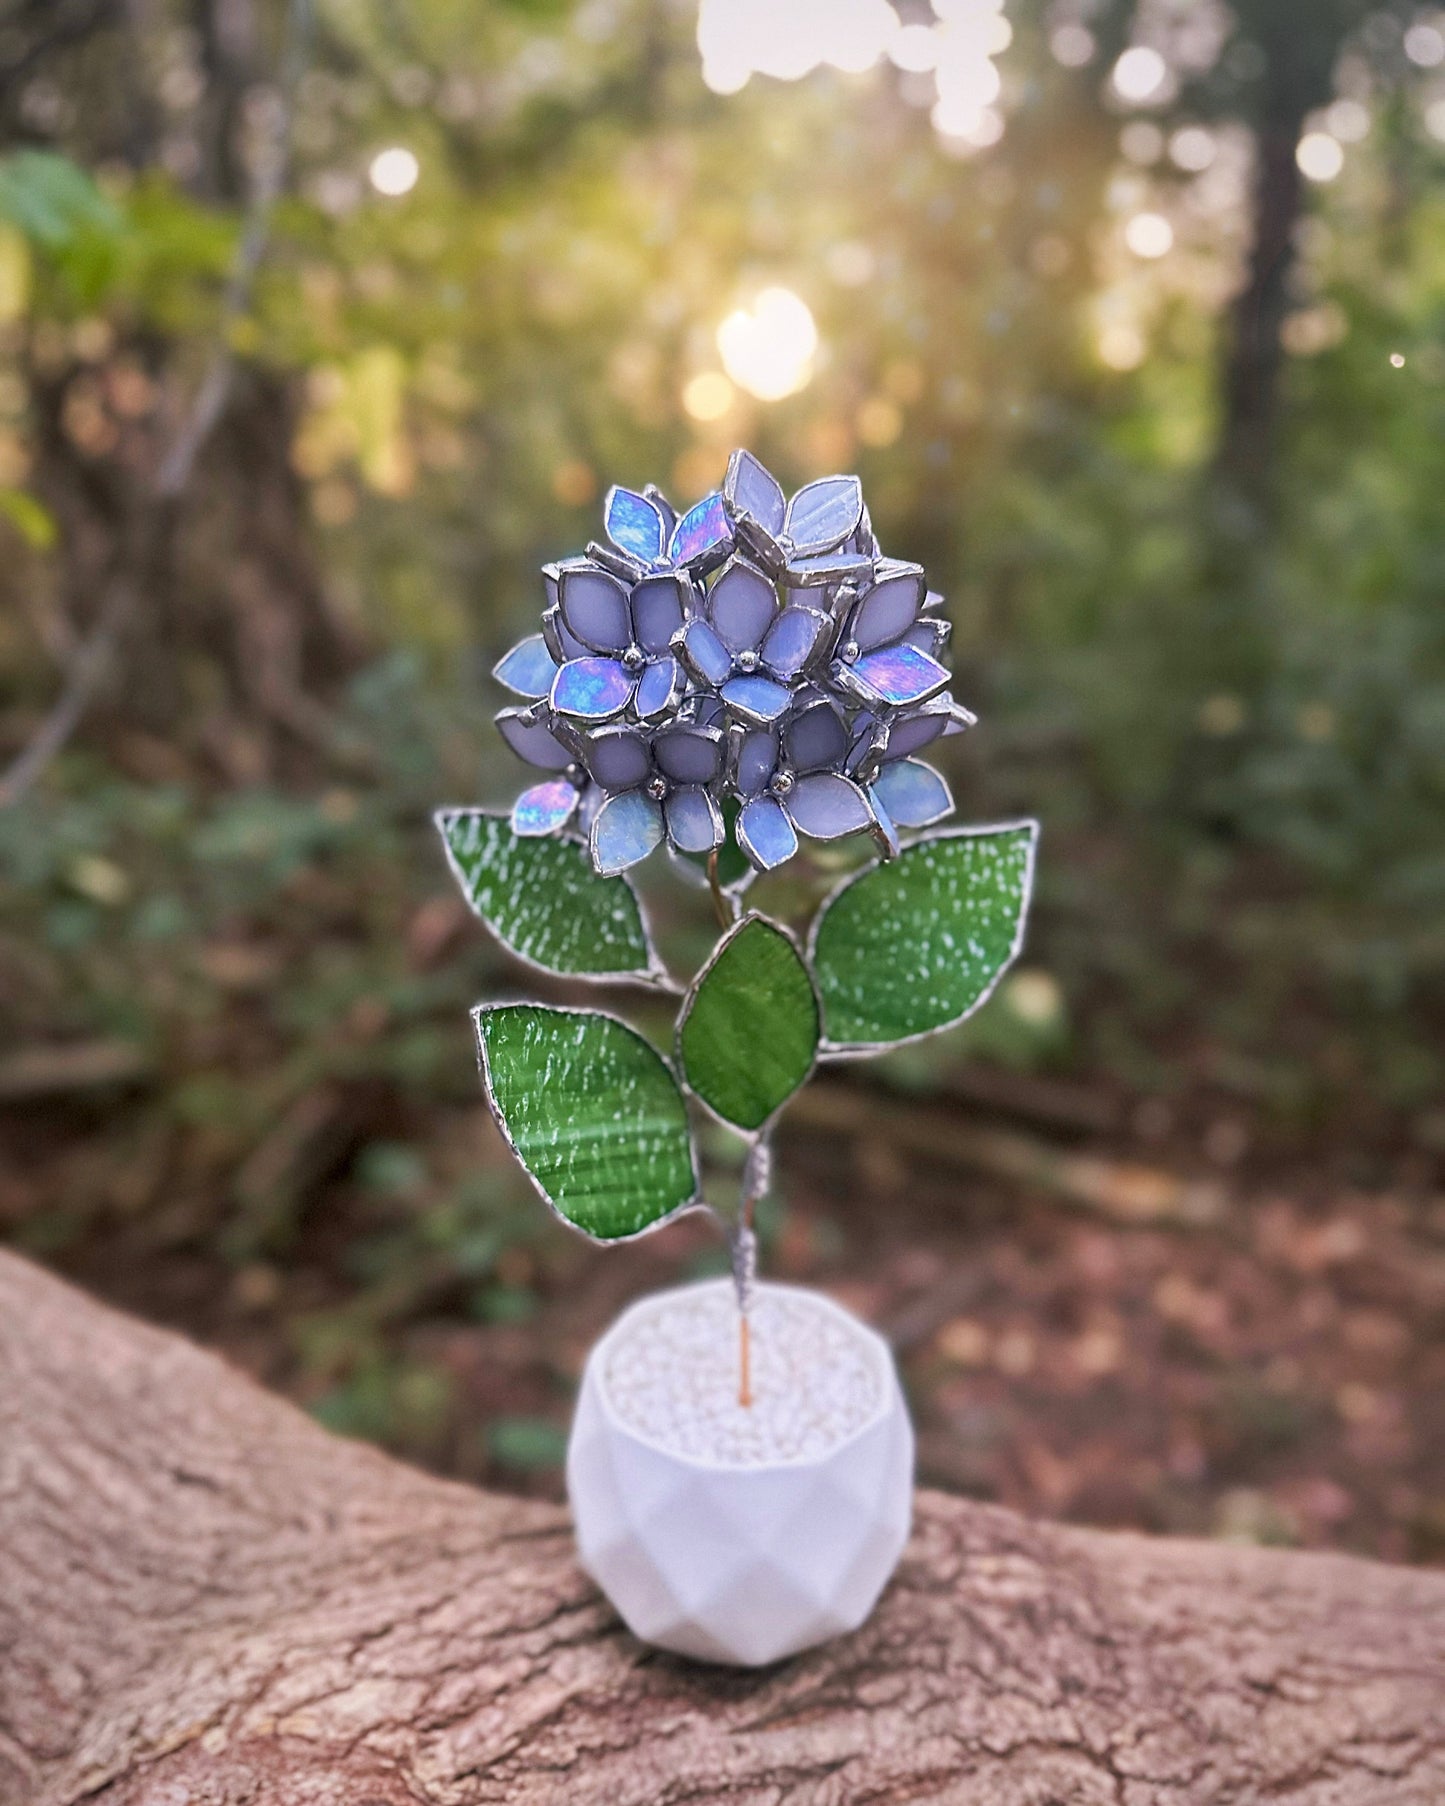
x=757 y=1177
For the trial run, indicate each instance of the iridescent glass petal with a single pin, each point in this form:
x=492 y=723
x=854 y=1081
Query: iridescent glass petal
x=794 y=640
x=634 y=523
x=897 y=675
x=704 y=535
x=592 y=689
x=659 y=689
x=545 y=808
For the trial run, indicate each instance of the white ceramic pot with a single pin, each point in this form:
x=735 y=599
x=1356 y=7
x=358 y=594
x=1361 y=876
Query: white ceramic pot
x=740 y=1534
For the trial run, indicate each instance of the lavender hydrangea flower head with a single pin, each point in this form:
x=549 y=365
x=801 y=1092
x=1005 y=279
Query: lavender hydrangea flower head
x=760 y=651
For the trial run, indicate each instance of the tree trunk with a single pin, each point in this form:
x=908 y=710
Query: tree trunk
x=204 y=1598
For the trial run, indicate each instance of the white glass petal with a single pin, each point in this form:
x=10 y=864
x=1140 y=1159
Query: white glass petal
x=528 y=669
x=823 y=514
x=827 y=806
x=618 y=758
x=625 y=829
x=559 y=641
x=533 y=741
x=913 y=793
x=658 y=609
x=545 y=808
x=911 y=733
x=689 y=755
x=886 y=613
x=693 y=819
x=827 y=568
x=741 y=606
x=929 y=636
x=634 y=523
x=592 y=689
x=765 y=834
x=793 y=640
x=594 y=608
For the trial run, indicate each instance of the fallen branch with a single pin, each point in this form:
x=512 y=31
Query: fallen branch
x=1123 y=1190
x=206 y=1598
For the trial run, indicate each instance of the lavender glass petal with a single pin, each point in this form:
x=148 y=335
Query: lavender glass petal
x=658 y=689
x=689 y=755
x=592 y=689
x=765 y=834
x=757 y=759
x=545 y=808
x=754 y=493
x=532 y=741
x=886 y=613
x=815 y=738
x=618 y=758
x=827 y=806
x=741 y=606
x=594 y=609
x=657 y=611
x=626 y=829
x=823 y=514
x=792 y=640
x=705 y=653
x=758 y=700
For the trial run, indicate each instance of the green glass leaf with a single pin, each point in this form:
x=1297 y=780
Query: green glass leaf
x=748 y=1032
x=593 y=1113
x=914 y=944
x=543 y=901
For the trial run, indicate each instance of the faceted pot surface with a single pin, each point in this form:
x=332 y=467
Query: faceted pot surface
x=747 y=1547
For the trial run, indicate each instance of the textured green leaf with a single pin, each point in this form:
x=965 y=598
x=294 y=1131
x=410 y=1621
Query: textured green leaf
x=593 y=1113
x=915 y=944
x=543 y=901
x=749 y=1029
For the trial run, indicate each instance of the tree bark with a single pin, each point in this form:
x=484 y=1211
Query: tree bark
x=205 y=1598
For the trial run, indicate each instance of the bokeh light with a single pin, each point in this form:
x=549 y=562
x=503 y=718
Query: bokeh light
x=788 y=39
x=394 y=171
x=1149 y=235
x=768 y=349
x=1193 y=148
x=1072 y=45
x=1425 y=45
x=708 y=395
x=1320 y=156
x=1139 y=74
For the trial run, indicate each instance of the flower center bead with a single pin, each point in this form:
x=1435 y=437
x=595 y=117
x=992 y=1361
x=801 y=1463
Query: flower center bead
x=851 y=652
x=633 y=658
x=782 y=783
x=657 y=788
x=747 y=660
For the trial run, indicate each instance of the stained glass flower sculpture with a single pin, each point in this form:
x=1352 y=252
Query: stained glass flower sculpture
x=759 y=651
x=756 y=671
